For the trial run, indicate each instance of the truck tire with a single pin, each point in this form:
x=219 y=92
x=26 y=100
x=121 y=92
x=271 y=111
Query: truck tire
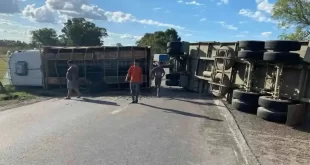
x=252 y=45
x=172 y=51
x=282 y=45
x=222 y=53
x=173 y=76
x=174 y=45
x=251 y=55
x=276 y=105
x=271 y=115
x=172 y=83
x=244 y=107
x=247 y=97
x=217 y=79
x=282 y=57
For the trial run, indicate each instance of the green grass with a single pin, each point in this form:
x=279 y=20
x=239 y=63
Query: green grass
x=4 y=58
x=10 y=93
x=3 y=65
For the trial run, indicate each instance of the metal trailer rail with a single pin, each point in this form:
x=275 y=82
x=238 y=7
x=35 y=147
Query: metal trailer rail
x=100 y=66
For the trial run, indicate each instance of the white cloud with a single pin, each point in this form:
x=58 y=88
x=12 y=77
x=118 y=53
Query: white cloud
x=203 y=19
x=15 y=31
x=124 y=39
x=245 y=32
x=131 y=37
x=191 y=3
x=157 y=8
x=228 y=26
x=125 y=36
x=40 y=14
x=194 y=3
x=242 y=22
x=9 y=6
x=264 y=9
x=9 y=24
x=119 y=16
x=223 y=2
x=156 y=23
x=187 y=35
x=257 y=15
x=266 y=34
x=55 y=11
x=264 y=5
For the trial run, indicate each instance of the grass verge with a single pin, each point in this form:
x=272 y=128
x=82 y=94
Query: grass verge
x=3 y=66
x=10 y=93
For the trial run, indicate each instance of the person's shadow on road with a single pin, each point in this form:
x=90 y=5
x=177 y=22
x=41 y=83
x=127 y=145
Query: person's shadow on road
x=181 y=112
x=99 y=102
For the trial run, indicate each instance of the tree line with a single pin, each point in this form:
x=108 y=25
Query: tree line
x=80 y=32
x=293 y=14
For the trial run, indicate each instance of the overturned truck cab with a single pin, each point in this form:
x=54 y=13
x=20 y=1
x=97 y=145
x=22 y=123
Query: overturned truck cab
x=100 y=67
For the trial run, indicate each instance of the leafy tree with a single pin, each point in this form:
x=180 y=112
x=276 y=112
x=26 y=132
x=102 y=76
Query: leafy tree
x=293 y=13
x=159 y=39
x=119 y=45
x=45 y=36
x=79 y=32
x=299 y=35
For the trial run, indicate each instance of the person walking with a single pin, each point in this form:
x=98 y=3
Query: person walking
x=158 y=73
x=72 y=79
x=135 y=77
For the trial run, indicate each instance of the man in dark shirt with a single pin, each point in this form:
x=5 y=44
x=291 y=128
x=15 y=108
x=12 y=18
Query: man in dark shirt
x=72 y=79
x=158 y=73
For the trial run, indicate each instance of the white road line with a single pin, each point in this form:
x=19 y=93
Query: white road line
x=119 y=109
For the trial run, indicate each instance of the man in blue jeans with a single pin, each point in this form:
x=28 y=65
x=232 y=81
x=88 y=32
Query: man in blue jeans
x=135 y=77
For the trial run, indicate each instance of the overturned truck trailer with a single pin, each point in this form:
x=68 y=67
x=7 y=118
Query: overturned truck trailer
x=99 y=67
x=267 y=78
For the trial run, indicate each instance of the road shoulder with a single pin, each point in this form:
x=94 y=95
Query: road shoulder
x=245 y=149
x=271 y=143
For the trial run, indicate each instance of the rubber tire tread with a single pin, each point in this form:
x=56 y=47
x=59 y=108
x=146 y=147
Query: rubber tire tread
x=270 y=115
x=173 y=76
x=174 y=45
x=171 y=51
x=252 y=45
x=282 y=45
x=276 y=105
x=251 y=55
x=172 y=83
x=244 y=107
x=247 y=97
x=282 y=57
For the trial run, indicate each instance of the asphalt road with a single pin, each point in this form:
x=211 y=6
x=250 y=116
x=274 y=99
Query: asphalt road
x=179 y=128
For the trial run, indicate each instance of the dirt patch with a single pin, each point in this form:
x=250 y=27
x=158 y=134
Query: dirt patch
x=11 y=97
x=9 y=104
x=273 y=143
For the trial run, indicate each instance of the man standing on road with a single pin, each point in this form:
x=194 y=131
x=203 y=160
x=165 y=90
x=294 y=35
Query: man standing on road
x=158 y=73
x=72 y=79
x=135 y=77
